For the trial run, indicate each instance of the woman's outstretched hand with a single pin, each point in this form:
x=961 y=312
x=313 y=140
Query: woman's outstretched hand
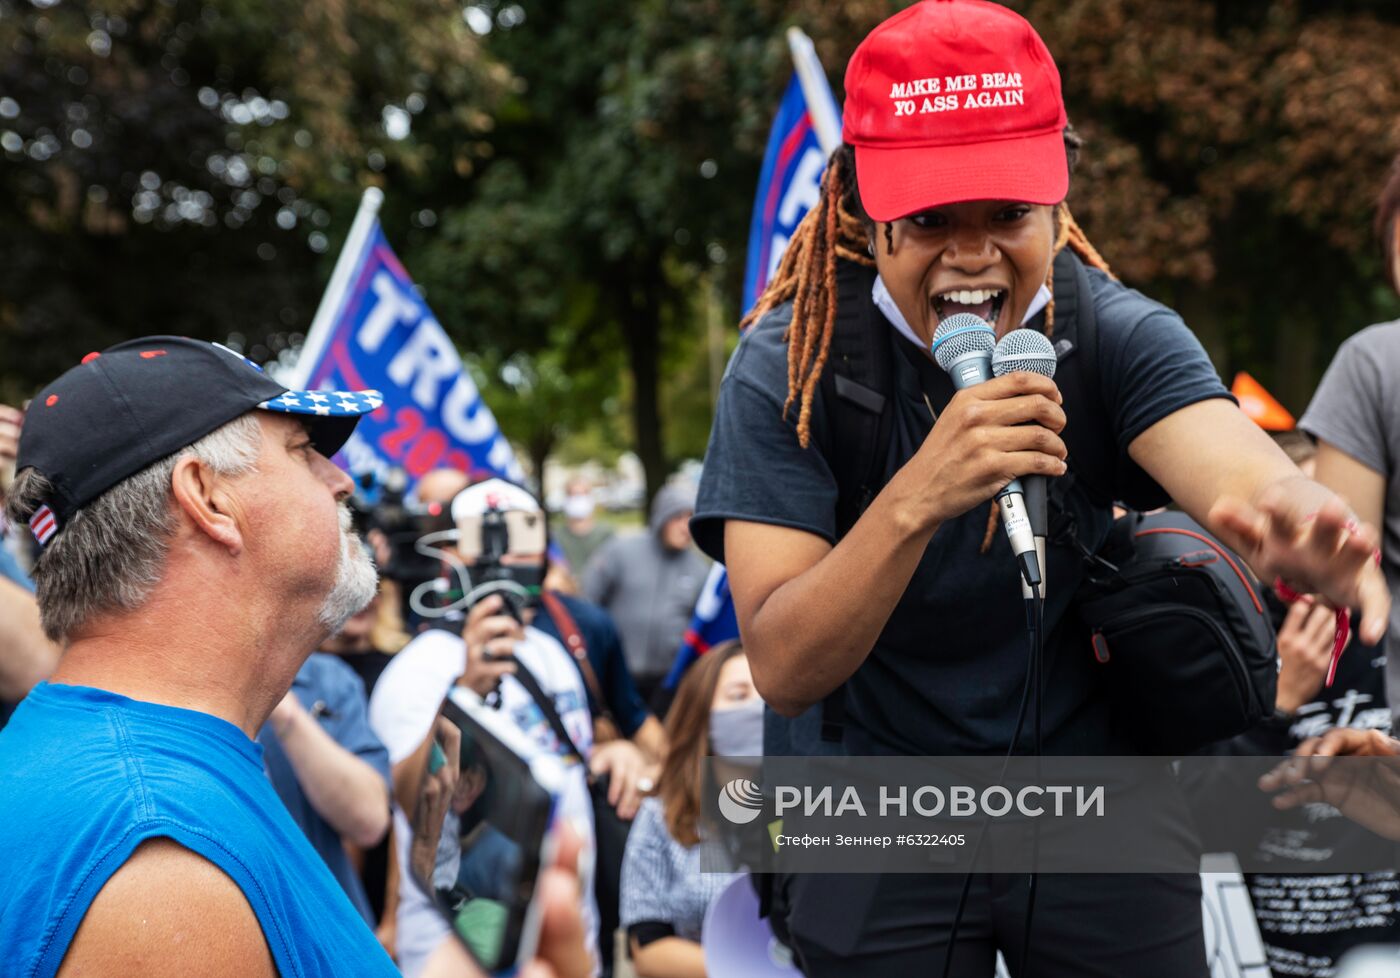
x=1306 y=535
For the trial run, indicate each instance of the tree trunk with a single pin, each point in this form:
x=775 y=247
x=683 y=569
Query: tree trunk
x=540 y=449
x=640 y=314
x=1296 y=362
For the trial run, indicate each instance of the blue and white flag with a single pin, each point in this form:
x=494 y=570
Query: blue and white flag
x=380 y=335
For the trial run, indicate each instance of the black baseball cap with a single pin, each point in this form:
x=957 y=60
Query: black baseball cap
x=137 y=402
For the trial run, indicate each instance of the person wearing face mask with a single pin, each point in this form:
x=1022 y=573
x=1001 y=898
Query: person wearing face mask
x=717 y=711
x=543 y=641
x=900 y=594
x=580 y=534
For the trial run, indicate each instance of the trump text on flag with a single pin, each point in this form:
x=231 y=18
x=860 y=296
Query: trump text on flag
x=387 y=339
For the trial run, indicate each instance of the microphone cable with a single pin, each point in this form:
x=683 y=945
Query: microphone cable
x=1036 y=609
x=1032 y=688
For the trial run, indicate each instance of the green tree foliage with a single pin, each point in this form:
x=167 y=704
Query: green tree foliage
x=541 y=400
x=565 y=180
x=183 y=166
x=622 y=164
x=1237 y=150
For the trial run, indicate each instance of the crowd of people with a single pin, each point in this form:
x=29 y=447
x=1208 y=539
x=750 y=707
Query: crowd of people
x=223 y=669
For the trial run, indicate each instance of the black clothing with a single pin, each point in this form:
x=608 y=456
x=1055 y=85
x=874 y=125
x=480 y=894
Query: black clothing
x=1308 y=921
x=946 y=673
x=369 y=666
x=1083 y=926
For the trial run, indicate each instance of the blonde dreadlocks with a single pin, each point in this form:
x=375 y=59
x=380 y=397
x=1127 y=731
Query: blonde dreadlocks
x=806 y=277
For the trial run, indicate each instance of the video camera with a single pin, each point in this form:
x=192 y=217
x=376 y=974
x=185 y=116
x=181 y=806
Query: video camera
x=384 y=507
x=424 y=542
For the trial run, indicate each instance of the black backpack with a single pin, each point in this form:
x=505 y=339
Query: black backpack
x=860 y=370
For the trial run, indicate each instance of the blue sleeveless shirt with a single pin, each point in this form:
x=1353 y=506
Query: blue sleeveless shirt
x=86 y=776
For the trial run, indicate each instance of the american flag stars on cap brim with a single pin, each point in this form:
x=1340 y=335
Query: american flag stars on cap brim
x=325 y=404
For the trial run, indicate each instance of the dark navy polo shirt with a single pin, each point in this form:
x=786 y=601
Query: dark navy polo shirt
x=599 y=634
x=947 y=672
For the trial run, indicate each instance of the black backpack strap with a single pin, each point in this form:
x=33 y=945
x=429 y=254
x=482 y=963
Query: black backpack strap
x=1106 y=475
x=546 y=704
x=857 y=388
x=1076 y=339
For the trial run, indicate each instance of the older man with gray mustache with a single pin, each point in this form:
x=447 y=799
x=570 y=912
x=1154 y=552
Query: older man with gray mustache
x=195 y=546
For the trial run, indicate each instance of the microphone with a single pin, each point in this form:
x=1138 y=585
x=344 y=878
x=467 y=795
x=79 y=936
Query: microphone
x=963 y=345
x=1025 y=349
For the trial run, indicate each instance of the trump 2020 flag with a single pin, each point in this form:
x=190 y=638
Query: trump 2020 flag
x=712 y=623
x=374 y=332
x=805 y=132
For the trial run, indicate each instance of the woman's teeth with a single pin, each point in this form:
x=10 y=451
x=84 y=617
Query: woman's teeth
x=984 y=303
x=970 y=297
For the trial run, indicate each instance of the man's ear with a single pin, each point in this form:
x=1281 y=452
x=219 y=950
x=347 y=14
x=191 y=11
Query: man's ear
x=205 y=500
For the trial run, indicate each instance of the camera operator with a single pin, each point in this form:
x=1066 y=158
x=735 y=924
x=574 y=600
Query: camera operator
x=500 y=541
x=620 y=702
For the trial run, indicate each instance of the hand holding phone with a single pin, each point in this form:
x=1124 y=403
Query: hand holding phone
x=491 y=636
x=481 y=835
x=562 y=951
x=430 y=815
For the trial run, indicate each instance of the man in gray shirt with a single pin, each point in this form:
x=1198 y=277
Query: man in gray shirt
x=648 y=582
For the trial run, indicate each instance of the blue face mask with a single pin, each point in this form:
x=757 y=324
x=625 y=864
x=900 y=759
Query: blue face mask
x=737 y=731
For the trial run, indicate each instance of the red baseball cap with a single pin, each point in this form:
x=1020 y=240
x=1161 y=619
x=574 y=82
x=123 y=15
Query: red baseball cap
x=954 y=100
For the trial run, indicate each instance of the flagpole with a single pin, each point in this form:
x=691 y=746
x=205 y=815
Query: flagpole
x=821 y=104
x=323 y=324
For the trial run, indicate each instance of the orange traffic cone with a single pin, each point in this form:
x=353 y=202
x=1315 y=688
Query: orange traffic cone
x=1259 y=405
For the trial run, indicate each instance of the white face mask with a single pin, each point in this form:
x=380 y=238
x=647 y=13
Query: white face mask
x=737 y=731
x=578 y=507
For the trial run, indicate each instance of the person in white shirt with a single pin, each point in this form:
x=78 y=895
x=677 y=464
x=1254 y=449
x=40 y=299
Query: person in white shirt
x=492 y=646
